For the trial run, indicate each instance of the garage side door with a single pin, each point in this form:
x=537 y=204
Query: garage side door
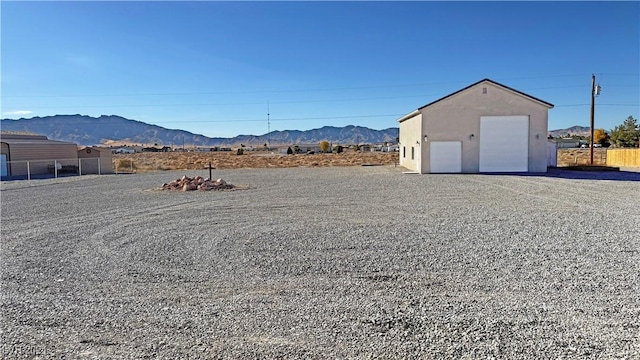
x=445 y=156
x=504 y=143
x=3 y=164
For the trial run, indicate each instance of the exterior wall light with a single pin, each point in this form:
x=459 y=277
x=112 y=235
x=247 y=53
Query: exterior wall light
x=426 y=138
x=471 y=137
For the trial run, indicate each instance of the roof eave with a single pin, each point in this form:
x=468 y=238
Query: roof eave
x=409 y=115
x=541 y=102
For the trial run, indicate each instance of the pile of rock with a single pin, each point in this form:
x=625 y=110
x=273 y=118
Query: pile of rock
x=186 y=183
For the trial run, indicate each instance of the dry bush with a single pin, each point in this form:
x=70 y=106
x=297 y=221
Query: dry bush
x=574 y=156
x=124 y=165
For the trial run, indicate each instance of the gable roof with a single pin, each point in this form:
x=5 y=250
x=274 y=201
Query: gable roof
x=31 y=139
x=549 y=105
x=97 y=149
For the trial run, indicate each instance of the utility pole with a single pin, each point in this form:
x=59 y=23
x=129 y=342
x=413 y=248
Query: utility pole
x=268 y=127
x=593 y=97
x=595 y=91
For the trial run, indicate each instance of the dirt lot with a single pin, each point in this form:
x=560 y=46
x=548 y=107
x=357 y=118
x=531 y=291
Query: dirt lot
x=322 y=262
x=571 y=157
x=145 y=162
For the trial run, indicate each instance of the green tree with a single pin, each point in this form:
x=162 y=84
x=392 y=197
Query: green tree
x=324 y=146
x=627 y=134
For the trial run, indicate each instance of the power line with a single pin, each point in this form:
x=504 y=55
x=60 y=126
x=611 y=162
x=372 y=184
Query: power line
x=598 y=105
x=257 y=103
x=285 y=90
x=280 y=102
x=619 y=74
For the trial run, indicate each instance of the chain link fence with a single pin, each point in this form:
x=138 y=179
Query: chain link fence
x=42 y=169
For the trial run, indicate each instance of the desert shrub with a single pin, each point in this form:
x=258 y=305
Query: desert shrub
x=240 y=151
x=338 y=149
x=125 y=164
x=324 y=146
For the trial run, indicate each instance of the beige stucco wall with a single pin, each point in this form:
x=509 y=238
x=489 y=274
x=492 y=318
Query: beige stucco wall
x=89 y=161
x=410 y=135
x=457 y=117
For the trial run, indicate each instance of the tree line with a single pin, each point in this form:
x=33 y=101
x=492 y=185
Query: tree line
x=626 y=134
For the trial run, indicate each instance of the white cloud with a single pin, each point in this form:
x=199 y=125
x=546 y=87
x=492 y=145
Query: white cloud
x=19 y=112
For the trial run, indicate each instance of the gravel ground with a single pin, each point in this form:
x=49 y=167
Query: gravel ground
x=351 y=263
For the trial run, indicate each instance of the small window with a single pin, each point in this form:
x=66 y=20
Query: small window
x=404 y=151
x=484 y=90
x=412 y=152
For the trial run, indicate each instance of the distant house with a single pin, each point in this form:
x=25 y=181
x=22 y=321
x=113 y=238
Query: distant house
x=484 y=127
x=123 y=150
x=299 y=148
x=392 y=148
x=566 y=143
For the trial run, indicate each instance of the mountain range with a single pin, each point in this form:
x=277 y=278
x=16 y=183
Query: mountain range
x=574 y=130
x=116 y=130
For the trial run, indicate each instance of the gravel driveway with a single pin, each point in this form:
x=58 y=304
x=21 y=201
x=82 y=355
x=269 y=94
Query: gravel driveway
x=351 y=263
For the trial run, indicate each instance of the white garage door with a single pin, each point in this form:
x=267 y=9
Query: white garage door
x=504 y=143
x=445 y=156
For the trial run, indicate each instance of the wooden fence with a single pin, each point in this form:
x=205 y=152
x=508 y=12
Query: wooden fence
x=623 y=157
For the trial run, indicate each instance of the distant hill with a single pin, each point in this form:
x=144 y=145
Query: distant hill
x=112 y=129
x=574 y=130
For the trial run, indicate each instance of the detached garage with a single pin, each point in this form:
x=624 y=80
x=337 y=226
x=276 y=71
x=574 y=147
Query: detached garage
x=34 y=154
x=486 y=127
x=95 y=160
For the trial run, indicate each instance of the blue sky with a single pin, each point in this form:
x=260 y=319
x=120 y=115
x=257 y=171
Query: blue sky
x=216 y=68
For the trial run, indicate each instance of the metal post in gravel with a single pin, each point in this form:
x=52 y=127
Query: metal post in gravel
x=55 y=168
x=98 y=160
x=28 y=171
x=79 y=167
